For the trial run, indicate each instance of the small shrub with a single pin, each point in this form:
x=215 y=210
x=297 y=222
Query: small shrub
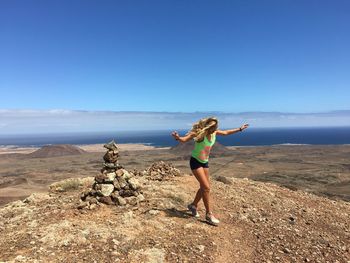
x=66 y=185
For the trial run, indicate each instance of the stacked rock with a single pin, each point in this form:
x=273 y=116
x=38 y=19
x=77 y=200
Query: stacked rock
x=161 y=171
x=114 y=185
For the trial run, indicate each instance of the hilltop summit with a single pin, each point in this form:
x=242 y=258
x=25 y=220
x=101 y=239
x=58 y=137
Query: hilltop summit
x=56 y=151
x=260 y=222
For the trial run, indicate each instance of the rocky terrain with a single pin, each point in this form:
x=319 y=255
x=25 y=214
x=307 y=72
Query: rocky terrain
x=260 y=222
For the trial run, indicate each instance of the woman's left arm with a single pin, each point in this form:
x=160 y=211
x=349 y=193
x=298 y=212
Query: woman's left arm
x=232 y=131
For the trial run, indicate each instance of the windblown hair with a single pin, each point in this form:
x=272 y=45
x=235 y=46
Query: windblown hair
x=201 y=128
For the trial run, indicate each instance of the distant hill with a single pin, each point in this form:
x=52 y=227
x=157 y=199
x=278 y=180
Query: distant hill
x=56 y=150
x=185 y=149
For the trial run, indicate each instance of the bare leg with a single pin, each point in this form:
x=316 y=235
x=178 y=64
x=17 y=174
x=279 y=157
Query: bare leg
x=204 y=191
x=206 y=171
x=198 y=196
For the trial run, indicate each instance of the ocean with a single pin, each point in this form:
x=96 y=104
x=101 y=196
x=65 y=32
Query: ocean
x=249 y=137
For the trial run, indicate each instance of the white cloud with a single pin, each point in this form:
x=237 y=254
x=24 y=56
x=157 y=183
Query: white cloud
x=60 y=120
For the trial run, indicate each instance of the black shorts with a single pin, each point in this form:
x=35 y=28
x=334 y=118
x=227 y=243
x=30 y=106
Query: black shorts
x=195 y=164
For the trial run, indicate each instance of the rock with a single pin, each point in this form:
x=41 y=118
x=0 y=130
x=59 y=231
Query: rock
x=126 y=174
x=286 y=250
x=161 y=171
x=110 y=157
x=106 y=170
x=59 y=189
x=152 y=255
x=106 y=200
x=20 y=258
x=223 y=179
x=136 y=172
x=36 y=198
x=111 y=146
x=106 y=189
x=97 y=186
x=115 y=196
x=122 y=182
x=119 y=172
x=121 y=201
x=84 y=195
x=200 y=248
x=127 y=193
x=153 y=212
x=140 y=197
x=116 y=184
x=92 y=206
x=91 y=200
x=132 y=200
x=113 y=183
x=100 y=178
x=110 y=165
x=134 y=184
x=110 y=177
x=82 y=205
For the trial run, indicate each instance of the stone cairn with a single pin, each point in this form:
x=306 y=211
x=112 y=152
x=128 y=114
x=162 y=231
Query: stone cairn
x=114 y=185
x=160 y=171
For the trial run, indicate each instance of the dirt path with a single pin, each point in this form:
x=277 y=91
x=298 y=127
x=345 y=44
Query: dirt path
x=229 y=237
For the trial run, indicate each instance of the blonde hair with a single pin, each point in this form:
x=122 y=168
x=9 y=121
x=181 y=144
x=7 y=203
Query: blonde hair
x=201 y=128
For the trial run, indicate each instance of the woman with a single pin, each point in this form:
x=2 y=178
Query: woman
x=204 y=134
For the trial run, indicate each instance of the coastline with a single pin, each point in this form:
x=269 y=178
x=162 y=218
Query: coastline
x=91 y=148
x=121 y=146
x=13 y=149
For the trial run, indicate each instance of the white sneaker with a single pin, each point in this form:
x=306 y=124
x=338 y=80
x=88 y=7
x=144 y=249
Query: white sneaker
x=193 y=210
x=211 y=219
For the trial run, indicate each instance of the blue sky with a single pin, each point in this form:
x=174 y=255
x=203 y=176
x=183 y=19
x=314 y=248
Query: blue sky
x=175 y=56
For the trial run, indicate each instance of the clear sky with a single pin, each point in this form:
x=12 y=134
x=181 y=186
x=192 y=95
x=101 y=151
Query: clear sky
x=176 y=56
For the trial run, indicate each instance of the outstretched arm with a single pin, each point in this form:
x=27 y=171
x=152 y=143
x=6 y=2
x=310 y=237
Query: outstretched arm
x=228 y=132
x=184 y=138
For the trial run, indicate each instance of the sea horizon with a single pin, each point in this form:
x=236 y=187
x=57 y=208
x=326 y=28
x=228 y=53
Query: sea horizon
x=162 y=138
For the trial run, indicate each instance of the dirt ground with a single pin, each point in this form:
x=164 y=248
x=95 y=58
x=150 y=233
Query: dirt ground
x=260 y=222
x=279 y=219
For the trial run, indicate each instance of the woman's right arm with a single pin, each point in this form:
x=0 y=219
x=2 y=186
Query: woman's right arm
x=185 y=138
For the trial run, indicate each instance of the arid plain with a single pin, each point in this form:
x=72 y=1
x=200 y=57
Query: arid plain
x=323 y=170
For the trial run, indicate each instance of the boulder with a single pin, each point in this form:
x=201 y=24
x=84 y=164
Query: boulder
x=106 y=189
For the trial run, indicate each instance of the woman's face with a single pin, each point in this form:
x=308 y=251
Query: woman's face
x=212 y=129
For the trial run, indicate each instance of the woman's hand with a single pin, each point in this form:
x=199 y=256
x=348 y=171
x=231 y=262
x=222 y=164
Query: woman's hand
x=176 y=135
x=244 y=126
x=185 y=138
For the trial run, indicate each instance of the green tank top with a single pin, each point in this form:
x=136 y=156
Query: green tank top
x=202 y=149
